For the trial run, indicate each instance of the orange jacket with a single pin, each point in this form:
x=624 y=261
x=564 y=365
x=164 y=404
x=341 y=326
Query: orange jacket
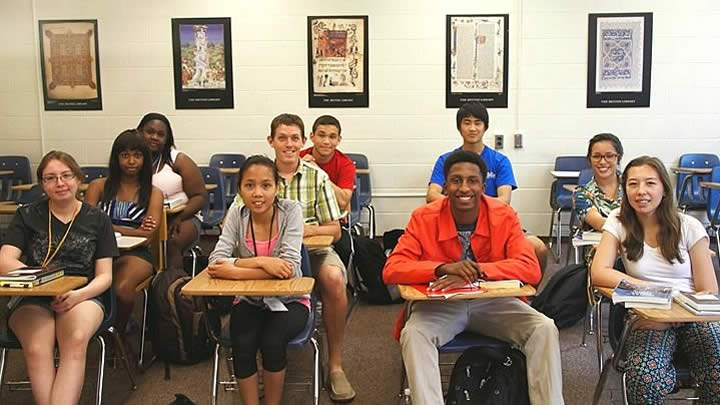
x=431 y=239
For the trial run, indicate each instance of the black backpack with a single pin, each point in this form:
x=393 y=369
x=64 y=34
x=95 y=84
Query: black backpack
x=564 y=298
x=489 y=376
x=369 y=260
x=177 y=329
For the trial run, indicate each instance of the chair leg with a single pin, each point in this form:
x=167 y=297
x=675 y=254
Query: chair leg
x=624 y=388
x=371 y=221
x=598 y=334
x=3 y=362
x=142 y=331
x=601 y=383
x=101 y=371
x=125 y=358
x=216 y=367
x=558 y=235
x=550 y=232
x=316 y=371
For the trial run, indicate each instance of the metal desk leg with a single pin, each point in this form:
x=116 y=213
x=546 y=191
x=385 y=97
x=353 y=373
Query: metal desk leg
x=615 y=358
x=598 y=333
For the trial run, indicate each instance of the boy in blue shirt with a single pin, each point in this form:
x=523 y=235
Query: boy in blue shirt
x=472 y=121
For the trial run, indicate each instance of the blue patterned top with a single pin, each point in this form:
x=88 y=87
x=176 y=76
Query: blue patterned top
x=124 y=213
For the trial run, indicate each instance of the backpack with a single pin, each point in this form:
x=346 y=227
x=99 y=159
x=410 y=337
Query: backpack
x=177 y=331
x=564 y=298
x=368 y=262
x=489 y=376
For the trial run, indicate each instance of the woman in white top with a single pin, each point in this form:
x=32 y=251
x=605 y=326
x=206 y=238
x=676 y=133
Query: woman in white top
x=659 y=245
x=177 y=176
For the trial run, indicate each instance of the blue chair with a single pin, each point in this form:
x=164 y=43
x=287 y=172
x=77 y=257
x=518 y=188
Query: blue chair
x=35 y=193
x=363 y=188
x=561 y=199
x=713 y=206
x=308 y=335
x=21 y=174
x=585 y=176
x=91 y=173
x=228 y=161
x=458 y=344
x=688 y=191
x=8 y=341
x=214 y=210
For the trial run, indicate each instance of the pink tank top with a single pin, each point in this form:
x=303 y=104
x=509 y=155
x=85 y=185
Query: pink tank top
x=169 y=182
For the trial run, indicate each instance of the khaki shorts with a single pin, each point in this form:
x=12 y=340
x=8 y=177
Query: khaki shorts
x=326 y=256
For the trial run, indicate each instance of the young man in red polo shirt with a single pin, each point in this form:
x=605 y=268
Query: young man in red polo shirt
x=326 y=137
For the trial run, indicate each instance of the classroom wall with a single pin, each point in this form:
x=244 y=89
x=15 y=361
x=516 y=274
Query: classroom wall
x=407 y=125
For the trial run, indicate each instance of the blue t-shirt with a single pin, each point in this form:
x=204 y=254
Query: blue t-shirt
x=500 y=171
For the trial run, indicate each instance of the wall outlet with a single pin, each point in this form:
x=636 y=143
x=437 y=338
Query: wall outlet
x=499 y=141
x=518 y=141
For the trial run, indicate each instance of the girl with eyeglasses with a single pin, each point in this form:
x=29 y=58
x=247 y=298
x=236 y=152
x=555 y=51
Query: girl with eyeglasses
x=266 y=232
x=128 y=196
x=594 y=201
x=63 y=231
x=659 y=245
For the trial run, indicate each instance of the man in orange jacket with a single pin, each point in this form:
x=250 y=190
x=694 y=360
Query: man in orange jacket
x=462 y=238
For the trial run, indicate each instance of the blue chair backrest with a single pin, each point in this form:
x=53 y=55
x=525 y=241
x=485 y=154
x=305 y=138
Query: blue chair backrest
x=94 y=172
x=228 y=160
x=354 y=207
x=362 y=181
x=214 y=210
x=21 y=174
x=559 y=197
x=585 y=176
x=713 y=211
x=693 y=192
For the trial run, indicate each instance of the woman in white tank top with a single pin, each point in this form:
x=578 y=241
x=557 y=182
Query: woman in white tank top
x=176 y=175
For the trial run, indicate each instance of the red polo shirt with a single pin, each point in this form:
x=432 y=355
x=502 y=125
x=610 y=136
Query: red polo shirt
x=340 y=169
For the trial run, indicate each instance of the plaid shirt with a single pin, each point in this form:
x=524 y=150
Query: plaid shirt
x=312 y=188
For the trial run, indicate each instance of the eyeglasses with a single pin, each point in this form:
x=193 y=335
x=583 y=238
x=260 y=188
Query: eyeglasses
x=609 y=157
x=51 y=178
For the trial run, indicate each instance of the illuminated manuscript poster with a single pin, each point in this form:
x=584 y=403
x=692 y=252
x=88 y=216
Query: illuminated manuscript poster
x=619 y=59
x=202 y=62
x=477 y=60
x=70 y=65
x=338 y=61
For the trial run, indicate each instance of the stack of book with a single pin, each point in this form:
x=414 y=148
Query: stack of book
x=643 y=296
x=31 y=276
x=700 y=304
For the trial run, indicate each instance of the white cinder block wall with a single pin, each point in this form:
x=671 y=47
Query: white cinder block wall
x=406 y=126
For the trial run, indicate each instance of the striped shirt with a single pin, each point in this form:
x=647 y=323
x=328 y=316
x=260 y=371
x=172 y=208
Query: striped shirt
x=311 y=187
x=123 y=213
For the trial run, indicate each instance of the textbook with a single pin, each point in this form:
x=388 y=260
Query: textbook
x=175 y=201
x=30 y=276
x=643 y=296
x=591 y=236
x=700 y=302
x=474 y=288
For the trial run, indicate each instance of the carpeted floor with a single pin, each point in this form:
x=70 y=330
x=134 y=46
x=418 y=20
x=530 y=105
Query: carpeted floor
x=372 y=363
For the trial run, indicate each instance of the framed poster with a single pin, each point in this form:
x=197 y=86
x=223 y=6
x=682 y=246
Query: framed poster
x=619 y=60
x=69 y=64
x=338 y=61
x=476 y=60
x=202 y=63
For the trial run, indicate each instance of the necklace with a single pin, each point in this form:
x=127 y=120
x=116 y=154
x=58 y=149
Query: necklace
x=252 y=230
x=48 y=257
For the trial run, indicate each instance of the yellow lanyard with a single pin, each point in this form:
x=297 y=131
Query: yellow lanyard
x=57 y=249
